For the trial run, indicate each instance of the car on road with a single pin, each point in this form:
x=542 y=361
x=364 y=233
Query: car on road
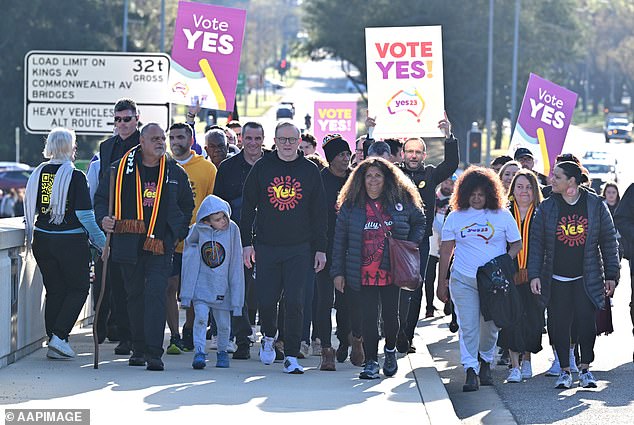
x=285 y=110
x=618 y=128
x=14 y=178
x=601 y=172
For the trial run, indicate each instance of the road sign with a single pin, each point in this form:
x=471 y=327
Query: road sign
x=79 y=89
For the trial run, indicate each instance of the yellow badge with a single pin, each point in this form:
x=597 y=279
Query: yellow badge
x=421 y=184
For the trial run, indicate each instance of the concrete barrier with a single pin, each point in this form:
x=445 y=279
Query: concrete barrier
x=22 y=296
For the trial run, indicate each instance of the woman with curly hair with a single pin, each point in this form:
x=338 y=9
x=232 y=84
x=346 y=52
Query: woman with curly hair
x=526 y=336
x=478 y=229
x=376 y=192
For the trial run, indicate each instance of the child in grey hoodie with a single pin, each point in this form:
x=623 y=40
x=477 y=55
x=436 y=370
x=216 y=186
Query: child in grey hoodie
x=212 y=276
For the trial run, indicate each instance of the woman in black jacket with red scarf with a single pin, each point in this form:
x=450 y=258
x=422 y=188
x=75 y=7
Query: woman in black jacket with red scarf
x=360 y=260
x=573 y=264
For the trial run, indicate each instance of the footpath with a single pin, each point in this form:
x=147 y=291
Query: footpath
x=248 y=390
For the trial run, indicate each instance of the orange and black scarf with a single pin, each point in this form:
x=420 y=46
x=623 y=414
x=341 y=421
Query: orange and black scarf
x=128 y=202
x=524 y=228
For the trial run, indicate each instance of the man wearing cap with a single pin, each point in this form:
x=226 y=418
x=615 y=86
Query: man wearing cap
x=426 y=178
x=337 y=151
x=525 y=157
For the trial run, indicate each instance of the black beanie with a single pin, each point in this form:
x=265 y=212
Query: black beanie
x=333 y=145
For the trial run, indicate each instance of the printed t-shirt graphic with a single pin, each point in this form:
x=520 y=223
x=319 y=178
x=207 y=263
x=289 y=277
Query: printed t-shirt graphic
x=485 y=231
x=284 y=193
x=572 y=230
x=46 y=183
x=373 y=247
x=213 y=254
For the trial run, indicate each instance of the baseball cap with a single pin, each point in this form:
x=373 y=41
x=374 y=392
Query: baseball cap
x=521 y=152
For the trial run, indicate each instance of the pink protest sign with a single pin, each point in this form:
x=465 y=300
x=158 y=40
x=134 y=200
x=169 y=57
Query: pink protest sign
x=335 y=117
x=206 y=55
x=543 y=121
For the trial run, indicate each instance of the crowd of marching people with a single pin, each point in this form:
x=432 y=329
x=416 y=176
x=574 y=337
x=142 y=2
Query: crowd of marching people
x=240 y=235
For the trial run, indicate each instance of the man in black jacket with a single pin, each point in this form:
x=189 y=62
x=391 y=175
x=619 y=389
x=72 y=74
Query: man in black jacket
x=624 y=221
x=286 y=192
x=232 y=173
x=126 y=121
x=153 y=209
x=426 y=178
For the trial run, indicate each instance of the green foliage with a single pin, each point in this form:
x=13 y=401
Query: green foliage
x=548 y=41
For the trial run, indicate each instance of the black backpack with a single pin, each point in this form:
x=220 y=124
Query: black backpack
x=499 y=299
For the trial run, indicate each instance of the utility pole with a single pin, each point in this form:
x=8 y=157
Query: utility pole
x=162 y=25
x=124 y=47
x=489 y=101
x=17 y=144
x=514 y=77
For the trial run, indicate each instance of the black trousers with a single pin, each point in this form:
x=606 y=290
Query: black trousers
x=568 y=301
x=282 y=269
x=365 y=304
x=632 y=297
x=63 y=260
x=241 y=325
x=326 y=297
x=146 y=285
x=410 y=302
x=114 y=306
x=430 y=280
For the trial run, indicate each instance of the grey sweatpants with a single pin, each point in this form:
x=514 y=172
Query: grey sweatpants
x=476 y=335
x=223 y=321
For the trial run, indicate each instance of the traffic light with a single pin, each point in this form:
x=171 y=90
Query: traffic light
x=282 y=67
x=474 y=136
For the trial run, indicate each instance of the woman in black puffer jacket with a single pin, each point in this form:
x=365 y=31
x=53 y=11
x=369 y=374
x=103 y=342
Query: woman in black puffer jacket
x=573 y=264
x=360 y=260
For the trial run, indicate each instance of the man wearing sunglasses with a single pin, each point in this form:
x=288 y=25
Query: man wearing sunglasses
x=126 y=120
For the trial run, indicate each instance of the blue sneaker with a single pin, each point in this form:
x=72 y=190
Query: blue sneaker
x=222 y=359
x=199 y=360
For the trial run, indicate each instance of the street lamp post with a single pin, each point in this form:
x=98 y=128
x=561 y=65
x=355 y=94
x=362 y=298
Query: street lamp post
x=124 y=46
x=489 y=101
x=514 y=76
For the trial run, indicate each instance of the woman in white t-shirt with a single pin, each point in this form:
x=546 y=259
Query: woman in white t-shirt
x=478 y=229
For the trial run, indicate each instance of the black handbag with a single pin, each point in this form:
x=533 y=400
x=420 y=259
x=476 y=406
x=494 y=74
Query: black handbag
x=404 y=259
x=499 y=299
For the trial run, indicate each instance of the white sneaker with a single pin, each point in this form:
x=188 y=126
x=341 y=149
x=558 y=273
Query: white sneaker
x=316 y=347
x=586 y=380
x=564 y=381
x=291 y=366
x=232 y=347
x=51 y=354
x=304 y=350
x=527 y=370
x=267 y=351
x=213 y=342
x=573 y=362
x=514 y=375
x=61 y=347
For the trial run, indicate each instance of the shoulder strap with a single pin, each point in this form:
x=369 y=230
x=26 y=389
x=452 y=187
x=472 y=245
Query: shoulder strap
x=379 y=216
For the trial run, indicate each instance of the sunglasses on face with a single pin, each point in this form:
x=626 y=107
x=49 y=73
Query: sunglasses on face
x=124 y=119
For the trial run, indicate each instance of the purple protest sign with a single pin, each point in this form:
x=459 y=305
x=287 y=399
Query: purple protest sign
x=543 y=121
x=206 y=55
x=335 y=117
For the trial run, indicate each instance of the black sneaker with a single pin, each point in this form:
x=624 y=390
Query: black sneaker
x=370 y=370
x=342 y=353
x=188 y=339
x=136 y=359
x=486 y=379
x=155 y=363
x=471 y=383
x=390 y=366
x=411 y=349
x=243 y=352
x=453 y=327
x=123 y=348
x=402 y=343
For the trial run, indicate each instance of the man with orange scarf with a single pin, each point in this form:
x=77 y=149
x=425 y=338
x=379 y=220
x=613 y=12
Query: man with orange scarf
x=153 y=205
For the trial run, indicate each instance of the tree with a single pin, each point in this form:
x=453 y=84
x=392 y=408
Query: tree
x=548 y=31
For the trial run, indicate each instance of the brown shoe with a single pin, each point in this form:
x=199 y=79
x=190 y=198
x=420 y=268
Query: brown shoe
x=357 y=355
x=327 y=359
